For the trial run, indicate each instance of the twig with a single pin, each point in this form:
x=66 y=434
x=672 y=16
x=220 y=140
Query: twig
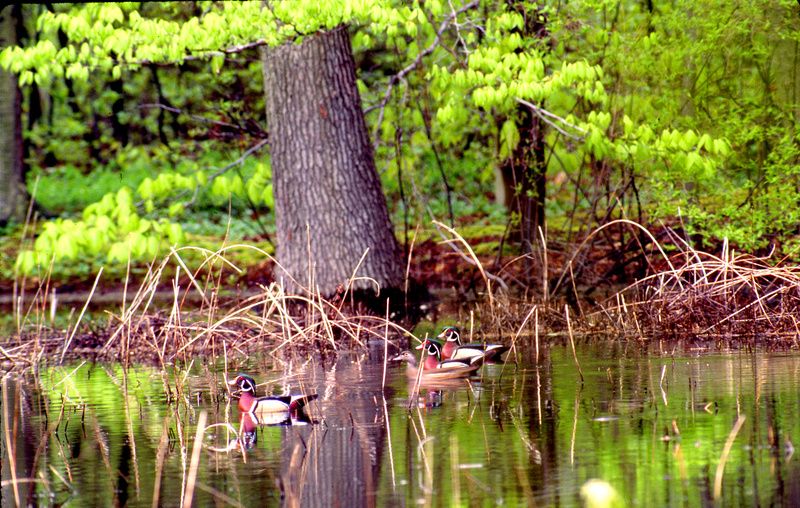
x=545 y=116
x=400 y=76
x=572 y=342
x=472 y=258
x=77 y=323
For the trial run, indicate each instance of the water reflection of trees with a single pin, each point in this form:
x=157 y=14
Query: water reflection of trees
x=337 y=462
x=533 y=435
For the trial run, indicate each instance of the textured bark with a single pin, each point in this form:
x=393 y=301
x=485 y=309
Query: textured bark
x=525 y=172
x=13 y=198
x=329 y=207
x=525 y=177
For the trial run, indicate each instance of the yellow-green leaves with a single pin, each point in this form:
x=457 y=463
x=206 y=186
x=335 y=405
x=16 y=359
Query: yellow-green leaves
x=110 y=229
x=509 y=138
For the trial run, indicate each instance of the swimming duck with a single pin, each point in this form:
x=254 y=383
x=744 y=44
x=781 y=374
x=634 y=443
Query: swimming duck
x=453 y=348
x=434 y=368
x=249 y=403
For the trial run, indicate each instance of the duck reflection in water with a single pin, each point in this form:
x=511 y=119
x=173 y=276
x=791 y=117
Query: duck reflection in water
x=430 y=400
x=250 y=422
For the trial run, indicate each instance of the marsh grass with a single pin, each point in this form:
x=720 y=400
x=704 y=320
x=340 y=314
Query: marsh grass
x=727 y=296
x=687 y=294
x=270 y=321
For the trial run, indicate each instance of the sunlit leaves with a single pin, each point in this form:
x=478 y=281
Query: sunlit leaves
x=509 y=138
x=109 y=35
x=110 y=229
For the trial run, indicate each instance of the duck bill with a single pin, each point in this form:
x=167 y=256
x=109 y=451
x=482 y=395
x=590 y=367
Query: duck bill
x=421 y=345
x=232 y=382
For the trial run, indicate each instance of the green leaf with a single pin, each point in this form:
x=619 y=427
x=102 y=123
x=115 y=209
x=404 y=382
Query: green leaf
x=26 y=261
x=509 y=138
x=216 y=63
x=176 y=209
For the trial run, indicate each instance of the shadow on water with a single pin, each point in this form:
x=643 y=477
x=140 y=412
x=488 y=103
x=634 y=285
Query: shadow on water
x=658 y=430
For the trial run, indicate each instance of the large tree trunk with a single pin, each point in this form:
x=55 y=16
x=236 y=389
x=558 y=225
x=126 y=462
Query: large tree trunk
x=13 y=197
x=329 y=207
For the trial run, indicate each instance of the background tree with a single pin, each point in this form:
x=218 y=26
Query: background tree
x=13 y=196
x=619 y=109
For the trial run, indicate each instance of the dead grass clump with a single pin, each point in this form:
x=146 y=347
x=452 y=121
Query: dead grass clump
x=705 y=296
x=268 y=322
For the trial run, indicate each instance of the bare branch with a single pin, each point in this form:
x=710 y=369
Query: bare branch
x=545 y=116
x=198 y=118
x=400 y=76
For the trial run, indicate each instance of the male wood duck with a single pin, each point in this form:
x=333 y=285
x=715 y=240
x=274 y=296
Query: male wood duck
x=453 y=348
x=249 y=403
x=435 y=369
x=435 y=358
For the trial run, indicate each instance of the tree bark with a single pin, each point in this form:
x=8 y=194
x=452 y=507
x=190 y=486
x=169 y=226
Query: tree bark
x=329 y=206
x=13 y=197
x=525 y=178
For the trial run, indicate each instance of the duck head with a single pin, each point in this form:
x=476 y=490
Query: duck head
x=405 y=356
x=245 y=383
x=434 y=350
x=450 y=334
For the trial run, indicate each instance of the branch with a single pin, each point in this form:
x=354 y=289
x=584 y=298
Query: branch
x=258 y=146
x=199 y=118
x=545 y=116
x=400 y=76
x=247 y=153
x=203 y=55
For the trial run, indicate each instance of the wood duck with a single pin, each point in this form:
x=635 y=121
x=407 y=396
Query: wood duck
x=454 y=349
x=435 y=358
x=249 y=403
x=434 y=369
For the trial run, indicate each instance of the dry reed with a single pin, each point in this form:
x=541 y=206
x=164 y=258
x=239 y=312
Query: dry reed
x=270 y=320
x=701 y=295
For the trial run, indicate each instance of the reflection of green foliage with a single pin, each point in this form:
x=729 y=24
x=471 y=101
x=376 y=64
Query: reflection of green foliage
x=623 y=434
x=491 y=442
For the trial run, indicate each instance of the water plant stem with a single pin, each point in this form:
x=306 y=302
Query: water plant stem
x=83 y=310
x=572 y=342
x=726 y=450
x=195 y=462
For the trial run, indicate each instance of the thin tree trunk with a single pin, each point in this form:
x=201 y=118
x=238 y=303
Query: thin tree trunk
x=329 y=206
x=525 y=171
x=524 y=174
x=13 y=197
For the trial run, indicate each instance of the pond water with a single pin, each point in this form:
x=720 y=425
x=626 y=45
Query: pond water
x=658 y=429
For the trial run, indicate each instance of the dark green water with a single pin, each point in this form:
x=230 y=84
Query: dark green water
x=653 y=427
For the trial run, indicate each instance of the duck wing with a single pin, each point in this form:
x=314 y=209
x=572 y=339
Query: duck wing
x=299 y=401
x=489 y=351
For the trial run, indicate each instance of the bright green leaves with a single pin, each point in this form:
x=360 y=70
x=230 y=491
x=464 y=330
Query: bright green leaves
x=110 y=37
x=259 y=187
x=509 y=138
x=110 y=229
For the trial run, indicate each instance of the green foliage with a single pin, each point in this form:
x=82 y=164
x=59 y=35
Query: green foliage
x=66 y=189
x=110 y=229
x=123 y=223
x=687 y=109
x=726 y=71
